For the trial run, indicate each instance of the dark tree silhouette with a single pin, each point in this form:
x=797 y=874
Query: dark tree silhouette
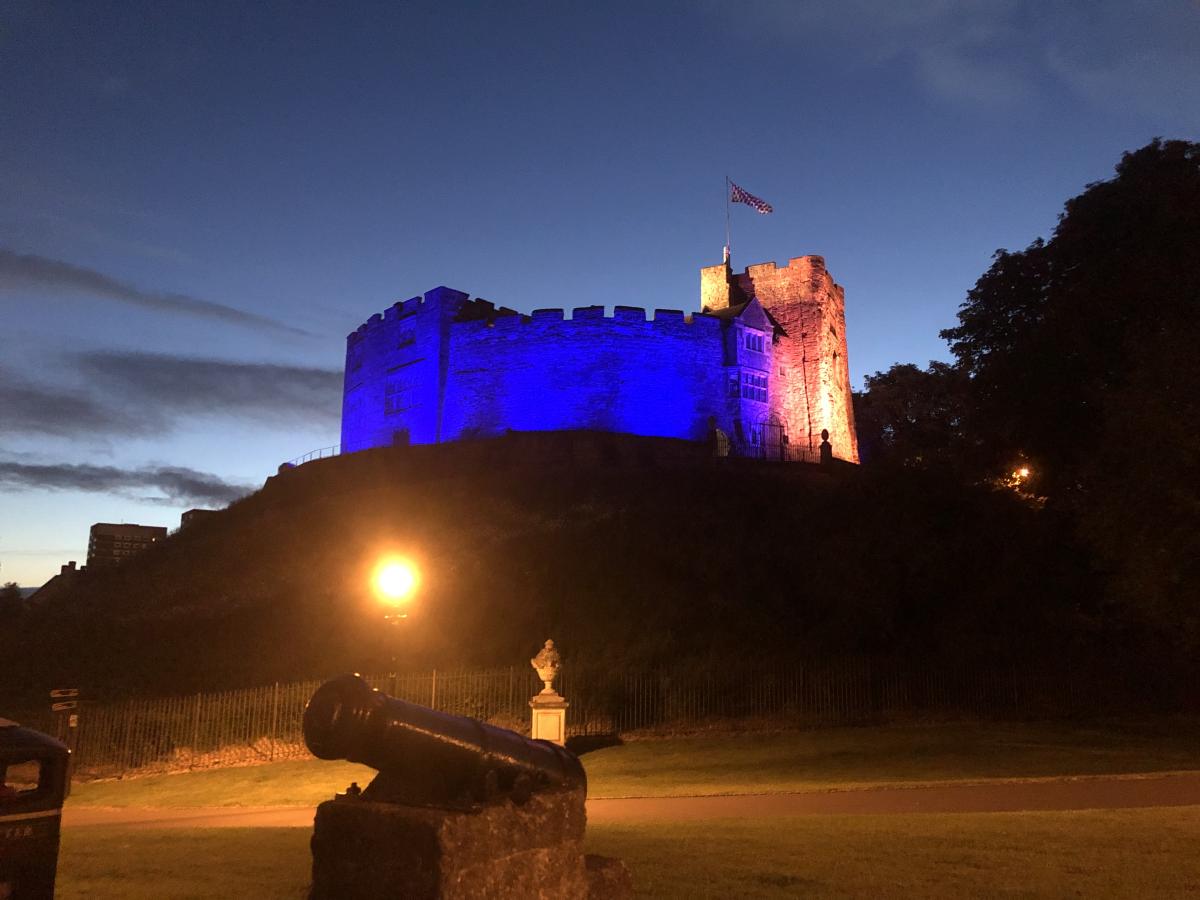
x=1082 y=357
x=913 y=417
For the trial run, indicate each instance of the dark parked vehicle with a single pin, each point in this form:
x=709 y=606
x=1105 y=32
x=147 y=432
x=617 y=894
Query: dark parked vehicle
x=33 y=784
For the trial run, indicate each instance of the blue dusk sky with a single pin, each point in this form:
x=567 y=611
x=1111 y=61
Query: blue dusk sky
x=198 y=201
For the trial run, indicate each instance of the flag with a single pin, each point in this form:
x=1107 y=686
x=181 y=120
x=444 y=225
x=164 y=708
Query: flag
x=737 y=195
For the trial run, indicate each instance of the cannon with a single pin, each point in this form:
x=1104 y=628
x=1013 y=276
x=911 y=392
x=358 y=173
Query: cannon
x=460 y=810
x=431 y=758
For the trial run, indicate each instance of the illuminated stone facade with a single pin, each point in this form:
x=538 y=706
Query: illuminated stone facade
x=810 y=372
x=764 y=361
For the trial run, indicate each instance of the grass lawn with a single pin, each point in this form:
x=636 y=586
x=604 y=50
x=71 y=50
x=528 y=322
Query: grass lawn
x=858 y=757
x=294 y=783
x=739 y=764
x=1123 y=853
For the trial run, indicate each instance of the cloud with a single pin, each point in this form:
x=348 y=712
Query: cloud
x=61 y=223
x=174 y=486
x=139 y=394
x=37 y=409
x=1139 y=58
x=170 y=385
x=28 y=271
x=957 y=49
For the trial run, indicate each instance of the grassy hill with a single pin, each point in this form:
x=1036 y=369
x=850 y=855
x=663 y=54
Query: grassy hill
x=626 y=550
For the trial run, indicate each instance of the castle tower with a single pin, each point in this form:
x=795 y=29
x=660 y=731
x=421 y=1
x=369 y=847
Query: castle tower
x=809 y=388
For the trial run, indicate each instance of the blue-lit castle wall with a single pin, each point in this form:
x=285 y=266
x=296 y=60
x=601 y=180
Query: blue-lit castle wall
x=443 y=367
x=660 y=377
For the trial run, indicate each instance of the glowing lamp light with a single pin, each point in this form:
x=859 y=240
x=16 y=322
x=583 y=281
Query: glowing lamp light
x=395 y=580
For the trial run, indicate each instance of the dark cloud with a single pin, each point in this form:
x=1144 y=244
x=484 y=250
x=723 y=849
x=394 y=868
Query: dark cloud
x=26 y=270
x=187 y=385
x=147 y=394
x=174 y=486
x=37 y=409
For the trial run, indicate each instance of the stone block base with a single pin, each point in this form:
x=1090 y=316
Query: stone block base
x=608 y=878
x=362 y=849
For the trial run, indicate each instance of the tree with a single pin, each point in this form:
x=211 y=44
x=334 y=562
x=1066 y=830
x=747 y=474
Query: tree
x=1081 y=356
x=1049 y=333
x=12 y=604
x=912 y=416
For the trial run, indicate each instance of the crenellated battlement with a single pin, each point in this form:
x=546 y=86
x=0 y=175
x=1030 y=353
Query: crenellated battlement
x=440 y=299
x=803 y=280
x=590 y=316
x=480 y=312
x=806 y=263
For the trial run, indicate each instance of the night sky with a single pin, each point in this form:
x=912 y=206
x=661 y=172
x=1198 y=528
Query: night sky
x=198 y=201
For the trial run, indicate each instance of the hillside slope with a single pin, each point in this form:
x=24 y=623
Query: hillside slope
x=625 y=550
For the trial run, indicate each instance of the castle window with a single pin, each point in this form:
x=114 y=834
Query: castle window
x=754 y=342
x=754 y=387
x=395 y=397
x=733 y=386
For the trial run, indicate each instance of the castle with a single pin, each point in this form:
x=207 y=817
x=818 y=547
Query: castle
x=761 y=369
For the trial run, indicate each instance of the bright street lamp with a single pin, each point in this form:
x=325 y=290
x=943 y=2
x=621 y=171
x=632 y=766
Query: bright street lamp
x=395 y=582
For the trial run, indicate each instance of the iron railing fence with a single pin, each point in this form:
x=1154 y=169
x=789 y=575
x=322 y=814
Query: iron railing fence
x=771 y=450
x=262 y=724
x=321 y=453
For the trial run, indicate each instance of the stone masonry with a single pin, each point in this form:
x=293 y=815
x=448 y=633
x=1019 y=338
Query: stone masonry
x=810 y=384
x=764 y=360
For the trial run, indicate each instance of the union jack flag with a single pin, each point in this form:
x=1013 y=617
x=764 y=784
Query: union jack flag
x=737 y=195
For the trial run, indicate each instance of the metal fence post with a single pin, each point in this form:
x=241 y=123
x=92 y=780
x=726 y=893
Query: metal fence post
x=274 y=717
x=127 y=741
x=195 y=730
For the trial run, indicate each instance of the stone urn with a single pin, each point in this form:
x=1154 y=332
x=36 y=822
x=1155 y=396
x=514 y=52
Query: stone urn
x=547 y=663
x=549 y=709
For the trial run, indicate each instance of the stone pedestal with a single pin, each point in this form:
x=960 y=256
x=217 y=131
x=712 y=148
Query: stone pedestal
x=549 y=713
x=363 y=849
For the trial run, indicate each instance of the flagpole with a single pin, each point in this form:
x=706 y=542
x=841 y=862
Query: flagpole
x=728 y=240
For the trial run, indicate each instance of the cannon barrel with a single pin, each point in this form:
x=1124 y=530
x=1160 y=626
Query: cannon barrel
x=428 y=756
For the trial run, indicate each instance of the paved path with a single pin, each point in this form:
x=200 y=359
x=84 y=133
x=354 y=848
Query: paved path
x=1084 y=793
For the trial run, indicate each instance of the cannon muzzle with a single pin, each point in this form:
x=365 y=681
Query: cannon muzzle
x=430 y=757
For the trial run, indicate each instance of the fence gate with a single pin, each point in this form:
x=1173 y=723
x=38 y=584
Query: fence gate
x=774 y=439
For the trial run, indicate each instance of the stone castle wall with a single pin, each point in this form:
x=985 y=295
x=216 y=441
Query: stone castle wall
x=659 y=377
x=396 y=372
x=443 y=367
x=414 y=375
